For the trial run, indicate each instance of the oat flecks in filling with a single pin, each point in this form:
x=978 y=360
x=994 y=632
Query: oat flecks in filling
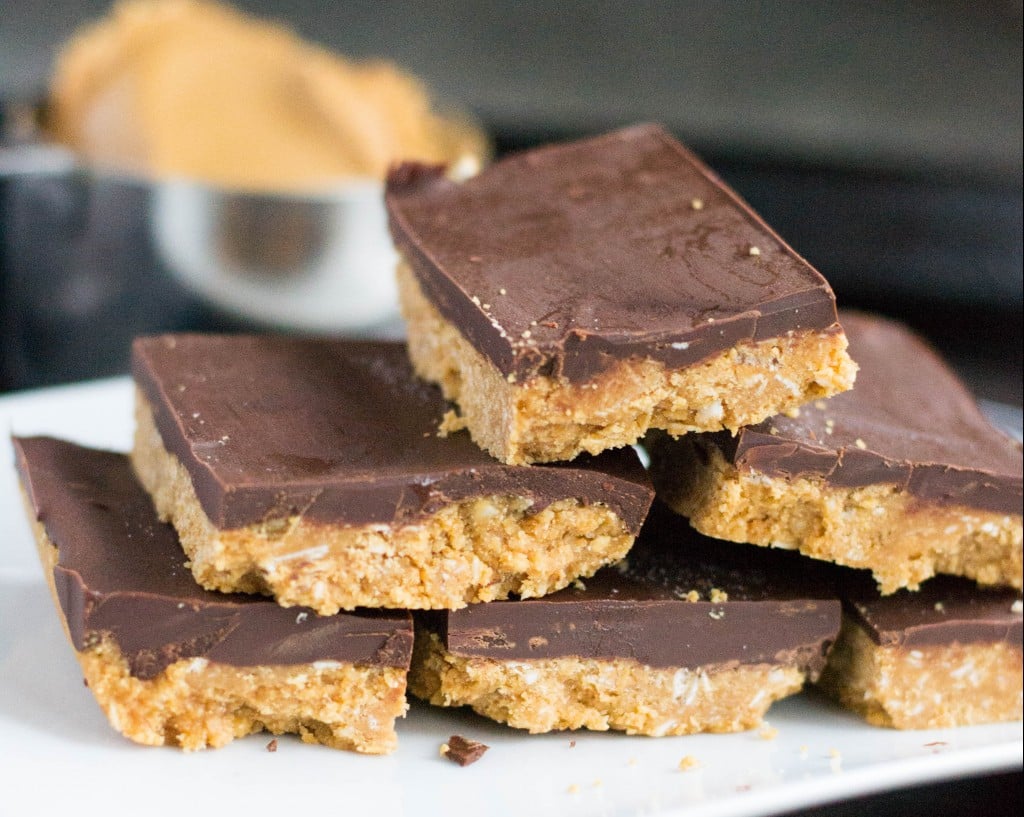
x=702 y=296
x=903 y=475
x=947 y=655
x=605 y=656
x=172 y=664
x=355 y=500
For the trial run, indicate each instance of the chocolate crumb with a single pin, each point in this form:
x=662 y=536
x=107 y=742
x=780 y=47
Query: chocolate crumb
x=85 y=682
x=572 y=744
x=272 y=746
x=463 y=750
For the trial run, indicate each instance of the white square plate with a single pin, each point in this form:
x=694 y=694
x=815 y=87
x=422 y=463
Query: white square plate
x=57 y=752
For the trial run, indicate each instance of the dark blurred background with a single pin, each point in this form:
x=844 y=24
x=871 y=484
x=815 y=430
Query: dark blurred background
x=882 y=140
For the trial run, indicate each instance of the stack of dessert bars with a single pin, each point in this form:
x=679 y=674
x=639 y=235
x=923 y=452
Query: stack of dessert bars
x=305 y=527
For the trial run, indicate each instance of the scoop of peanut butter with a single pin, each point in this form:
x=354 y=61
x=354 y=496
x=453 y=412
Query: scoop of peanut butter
x=194 y=89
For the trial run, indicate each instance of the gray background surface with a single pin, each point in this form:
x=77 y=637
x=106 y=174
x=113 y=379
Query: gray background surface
x=921 y=84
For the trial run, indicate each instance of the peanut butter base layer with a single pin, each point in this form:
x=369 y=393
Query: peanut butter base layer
x=547 y=419
x=196 y=703
x=903 y=540
x=477 y=550
x=574 y=693
x=928 y=687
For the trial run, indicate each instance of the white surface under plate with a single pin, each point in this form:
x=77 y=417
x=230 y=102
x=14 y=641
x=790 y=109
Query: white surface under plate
x=57 y=751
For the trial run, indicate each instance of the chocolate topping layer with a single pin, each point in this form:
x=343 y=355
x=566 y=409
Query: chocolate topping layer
x=908 y=421
x=946 y=610
x=779 y=608
x=121 y=572
x=563 y=260
x=342 y=432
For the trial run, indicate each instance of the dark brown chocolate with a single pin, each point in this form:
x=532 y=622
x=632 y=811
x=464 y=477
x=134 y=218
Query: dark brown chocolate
x=779 y=608
x=908 y=421
x=563 y=260
x=464 y=751
x=342 y=432
x=121 y=573
x=946 y=610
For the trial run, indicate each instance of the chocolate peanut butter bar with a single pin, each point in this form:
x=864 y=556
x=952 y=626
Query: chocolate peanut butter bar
x=948 y=655
x=313 y=471
x=903 y=475
x=685 y=635
x=571 y=297
x=173 y=664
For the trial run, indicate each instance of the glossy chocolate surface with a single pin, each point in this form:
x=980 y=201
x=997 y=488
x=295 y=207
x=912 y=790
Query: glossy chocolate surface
x=907 y=421
x=946 y=610
x=780 y=608
x=121 y=572
x=563 y=260
x=341 y=432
